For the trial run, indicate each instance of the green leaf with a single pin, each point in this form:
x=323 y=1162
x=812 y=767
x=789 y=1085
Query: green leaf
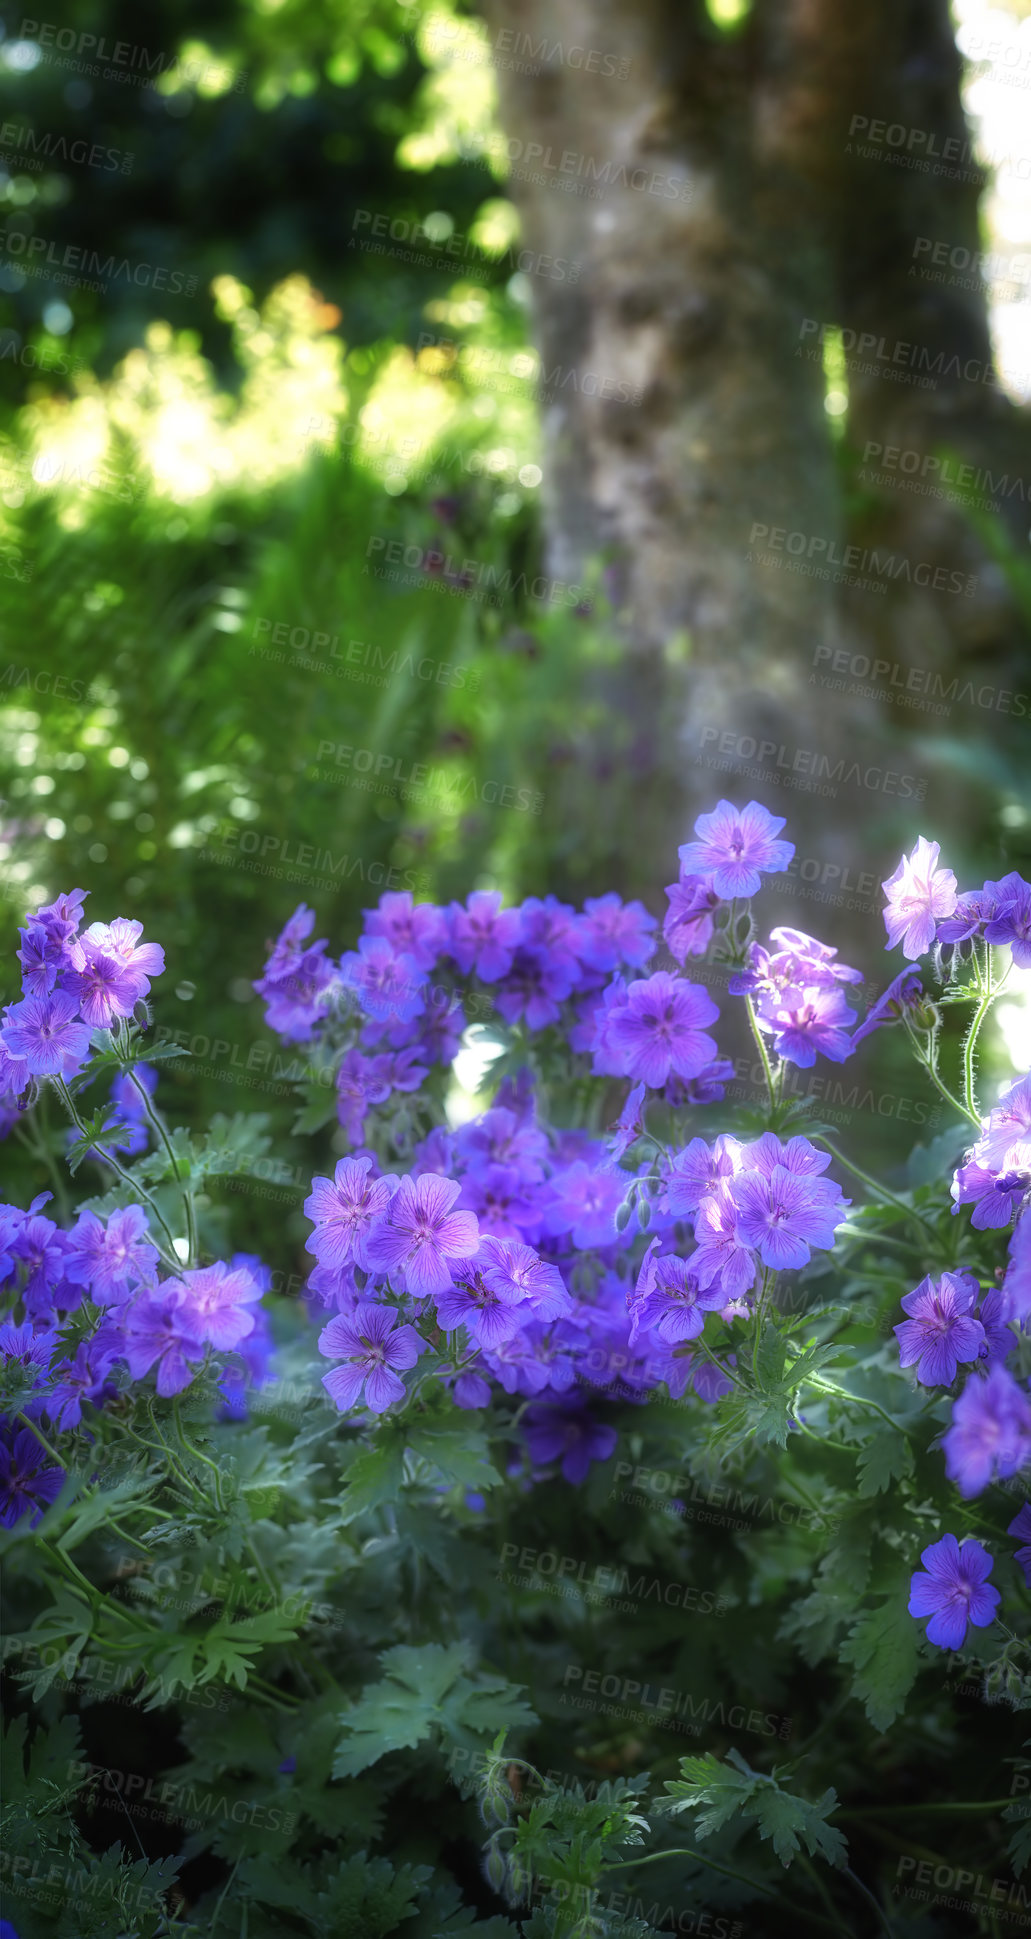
x=728 y=1789
x=885 y=1647
x=886 y=1458
x=425 y=1690
x=1018 y=1850
x=460 y=1454
x=375 y=1475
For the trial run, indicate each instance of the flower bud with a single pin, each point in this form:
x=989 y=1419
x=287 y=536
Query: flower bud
x=141 y=1013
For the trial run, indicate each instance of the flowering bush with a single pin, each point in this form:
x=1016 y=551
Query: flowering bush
x=606 y=1416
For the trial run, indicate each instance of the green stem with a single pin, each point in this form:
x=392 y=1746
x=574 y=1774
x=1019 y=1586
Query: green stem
x=155 y=1119
x=763 y=1053
x=970 y=1046
x=867 y=1894
x=139 y=1191
x=928 y=1065
x=826 y=1387
x=43 y=1442
x=189 y=1448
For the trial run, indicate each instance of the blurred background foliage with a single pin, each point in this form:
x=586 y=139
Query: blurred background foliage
x=201 y=471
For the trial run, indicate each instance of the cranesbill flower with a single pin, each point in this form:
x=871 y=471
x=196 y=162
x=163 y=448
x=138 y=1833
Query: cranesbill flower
x=583 y=1201
x=552 y=929
x=798 y=1155
x=30 y=1348
x=566 y=1432
x=128 y=1132
x=386 y=982
x=104 y=988
x=1016 y=1286
x=375 y=1349
x=669 y=1301
x=903 y=995
x=45 y=1034
x=994 y=1196
x=422 y=1233
x=217 y=1298
x=688 y=924
x=470 y=1302
x=501 y=1201
x=110 y=1259
x=612 y=932
x=919 y=895
x=954 y=1591
x=1012 y=923
x=518 y=1274
x=785 y=1214
x=344 y=1211
x=940 y=1332
x=804 y=1021
x=500 y=1137
x=361 y=1082
x=28 y=1482
x=161 y=1330
x=483 y=935
x=698 y=1170
x=418 y=930
x=659 y=1033
x=735 y=847
x=1005 y=1141
x=41 y=957
x=536 y=985
x=83 y=1377
x=1020 y=1526
x=43 y=1251
x=990 y=1430
x=722 y=1255
x=803 y=959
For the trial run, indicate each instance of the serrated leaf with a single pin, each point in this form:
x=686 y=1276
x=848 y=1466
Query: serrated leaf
x=376 y=1475
x=460 y=1454
x=719 y=1791
x=884 y=1646
x=886 y=1458
x=1018 y=1849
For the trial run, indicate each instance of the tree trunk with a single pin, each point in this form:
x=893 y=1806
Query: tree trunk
x=731 y=222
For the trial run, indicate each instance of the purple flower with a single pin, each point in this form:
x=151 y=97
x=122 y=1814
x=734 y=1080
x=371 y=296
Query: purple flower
x=940 y=1332
x=567 y=1432
x=1012 y=924
x=536 y=985
x=698 y=1170
x=688 y=925
x=297 y=980
x=422 y=1233
x=416 y=930
x=500 y=1137
x=216 y=1301
x=487 y=1314
x=803 y=1021
x=669 y=1301
x=128 y=1132
x=28 y=1482
x=344 y=1211
x=104 y=987
x=361 y=1082
x=1016 y=1286
x=658 y=1031
x=903 y=994
x=919 y=895
x=583 y=1201
x=1020 y=1526
x=161 y=1329
x=723 y=1256
x=954 y=1591
x=517 y=1274
x=121 y=939
x=386 y=982
x=991 y=1428
x=83 y=1377
x=484 y=936
x=736 y=846
x=43 y=1250
x=45 y=1034
x=110 y=1259
x=784 y=1214
x=374 y=1348
x=613 y=932
x=30 y=1348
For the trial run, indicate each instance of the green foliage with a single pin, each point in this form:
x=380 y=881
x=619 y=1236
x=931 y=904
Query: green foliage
x=720 y=1793
x=426 y=1692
